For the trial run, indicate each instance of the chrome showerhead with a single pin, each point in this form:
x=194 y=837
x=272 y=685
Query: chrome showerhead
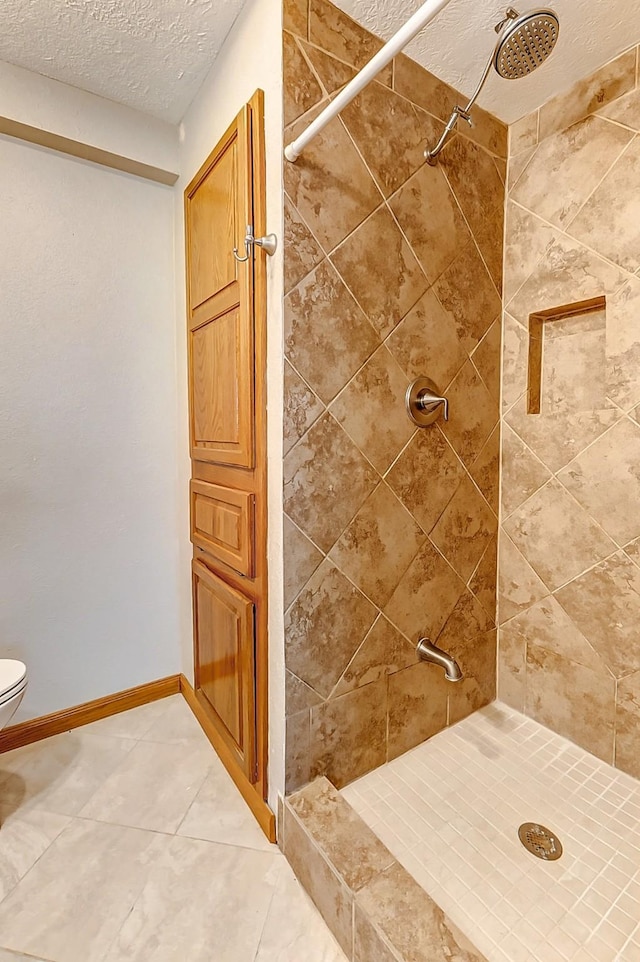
x=525 y=43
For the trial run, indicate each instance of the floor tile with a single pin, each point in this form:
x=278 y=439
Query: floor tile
x=175 y=725
x=153 y=787
x=134 y=723
x=294 y=929
x=24 y=837
x=60 y=774
x=187 y=895
x=92 y=873
x=450 y=809
x=218 y=814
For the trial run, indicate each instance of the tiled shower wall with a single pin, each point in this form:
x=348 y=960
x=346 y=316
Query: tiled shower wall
x=393 y=270
x=570 y=540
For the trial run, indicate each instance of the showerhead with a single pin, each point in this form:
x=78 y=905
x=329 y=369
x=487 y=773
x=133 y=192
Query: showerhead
x=525 y=43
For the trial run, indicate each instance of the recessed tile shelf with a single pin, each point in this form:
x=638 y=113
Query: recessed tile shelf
x=538 y=322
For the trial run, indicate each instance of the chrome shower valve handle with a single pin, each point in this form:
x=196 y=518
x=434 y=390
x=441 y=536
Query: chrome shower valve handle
x=425 y=403
x=268 y=243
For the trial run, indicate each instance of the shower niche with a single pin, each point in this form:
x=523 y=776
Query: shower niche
x=567 y=358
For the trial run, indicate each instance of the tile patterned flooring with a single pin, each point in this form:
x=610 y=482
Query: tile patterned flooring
x=449 y=811
x=127 y=841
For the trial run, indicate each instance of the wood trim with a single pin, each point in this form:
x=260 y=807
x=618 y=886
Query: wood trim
x=76 y=148
x=261 y=519
x=261 y=811
x=17 y=736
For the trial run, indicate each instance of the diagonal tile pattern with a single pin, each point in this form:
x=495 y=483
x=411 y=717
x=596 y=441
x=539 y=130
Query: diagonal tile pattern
x=78 y=889
x=393 y=271
x=569 y=591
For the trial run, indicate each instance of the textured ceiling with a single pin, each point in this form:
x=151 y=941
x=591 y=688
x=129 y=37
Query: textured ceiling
x=148 y=54
x=457 y=45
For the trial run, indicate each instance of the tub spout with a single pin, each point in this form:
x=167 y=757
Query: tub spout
x=427 y=651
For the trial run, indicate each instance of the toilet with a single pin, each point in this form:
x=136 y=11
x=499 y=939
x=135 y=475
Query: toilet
x=13 y=684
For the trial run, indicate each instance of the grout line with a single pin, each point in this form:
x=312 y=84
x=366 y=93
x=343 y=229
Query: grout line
x=601 y=181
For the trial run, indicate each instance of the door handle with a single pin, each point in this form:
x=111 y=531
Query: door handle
x=268 y=243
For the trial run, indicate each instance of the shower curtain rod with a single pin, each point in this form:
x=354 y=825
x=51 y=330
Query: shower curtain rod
x=427 y=12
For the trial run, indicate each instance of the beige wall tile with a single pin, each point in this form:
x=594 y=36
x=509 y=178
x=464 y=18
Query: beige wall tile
x=602 y=87
x=467 y=291
x=426 y=595
x=578 y=158
x=604 y=479
x=464 y=529
x=302 y=91
x=605 y=605
x=329 y=183
x=381 y=271
x=371 y=409
x=472 y=414
x=390 y=133
x=301 y=407
x=512 y=666
x=301 y=559
x=478 y=188
x=556 y=536
x=297 y=749
x=296 y=16
x=327 y=337
x=430 y=464
x=522 y=472
x=519 y=585
x=312 y=498
x=331 y=897
x=384 y=651
x=355 y=853
x=572 y=700
x=374 y=285
x=628 y=725
x=426 y=342
x=411 y=922
x=348 y=734
x=417 y=707
x=610 y=219
x=623 y=347
x=303 y=251
x=523 y=133
x=438 y=238
x=625 y=110
x=314 y=650
x=379 y=545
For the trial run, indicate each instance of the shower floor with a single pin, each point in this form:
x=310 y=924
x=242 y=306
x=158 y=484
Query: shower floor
x=449 y=810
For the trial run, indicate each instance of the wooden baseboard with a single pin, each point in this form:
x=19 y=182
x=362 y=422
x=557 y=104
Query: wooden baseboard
x=63 y=721
x=261 y=811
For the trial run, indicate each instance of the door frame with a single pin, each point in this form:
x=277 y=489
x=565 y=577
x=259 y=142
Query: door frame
x=256 y=793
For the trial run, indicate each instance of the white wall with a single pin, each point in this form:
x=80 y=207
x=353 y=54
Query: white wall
x=251 y=58
x=88 y=536
x=50 y=105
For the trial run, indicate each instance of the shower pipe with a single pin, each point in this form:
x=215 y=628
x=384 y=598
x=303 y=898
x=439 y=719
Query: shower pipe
x=424 y=15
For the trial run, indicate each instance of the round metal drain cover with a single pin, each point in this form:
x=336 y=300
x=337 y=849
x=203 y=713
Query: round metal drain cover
x=540 y=841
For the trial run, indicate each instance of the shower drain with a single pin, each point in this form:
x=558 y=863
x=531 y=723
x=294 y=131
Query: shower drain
x=540 y=841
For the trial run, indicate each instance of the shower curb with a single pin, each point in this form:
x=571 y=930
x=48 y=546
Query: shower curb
x=372 y=905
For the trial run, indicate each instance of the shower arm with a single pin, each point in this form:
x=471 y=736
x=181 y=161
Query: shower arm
x=424 y=15
x=430 y=155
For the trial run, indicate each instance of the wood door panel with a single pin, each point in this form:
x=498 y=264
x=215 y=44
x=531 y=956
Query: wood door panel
x=224 y=644
x=214 y=229
x=222 y=391
x=222 y=523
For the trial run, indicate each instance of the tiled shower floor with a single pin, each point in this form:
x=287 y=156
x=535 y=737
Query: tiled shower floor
x=449 y=810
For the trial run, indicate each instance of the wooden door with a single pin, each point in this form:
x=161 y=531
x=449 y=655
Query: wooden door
x=227 y=427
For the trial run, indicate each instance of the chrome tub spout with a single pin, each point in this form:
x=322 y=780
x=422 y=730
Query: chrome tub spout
x=427 y=651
